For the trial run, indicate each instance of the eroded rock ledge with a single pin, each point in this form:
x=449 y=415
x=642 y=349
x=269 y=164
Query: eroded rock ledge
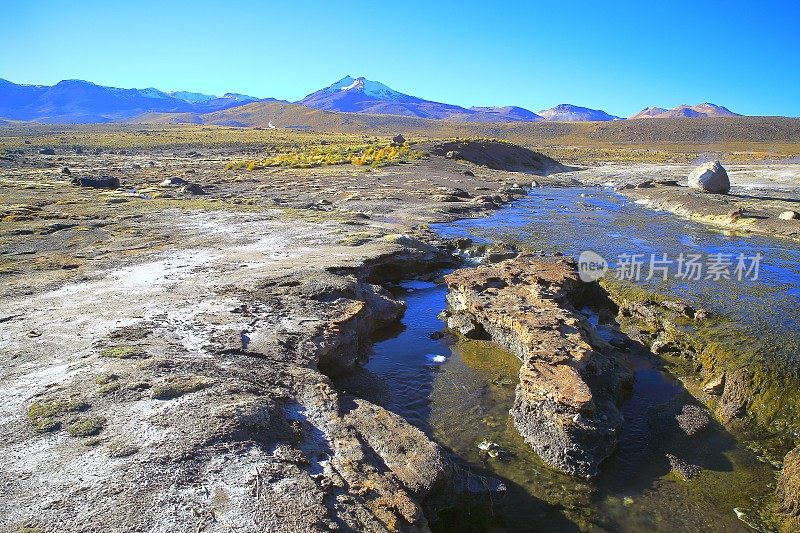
x=571 y=380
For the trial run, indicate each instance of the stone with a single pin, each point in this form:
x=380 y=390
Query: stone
x=710 y=177
x=47 y=151
x=102 y=182
x=700 y=315
x=682 y=308
x=789 y=483
x=693 y=419
x=715 y=385
x=398 y=139
x=192 y=188
x=453 y=154
x=789 y=215
x=174 y=181
x=66 y=171
x=571 y=380
x=683 y=469
x=469 y=173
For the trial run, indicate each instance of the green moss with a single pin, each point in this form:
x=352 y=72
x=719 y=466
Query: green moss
x=104 y=379
x=47 y=415
x=121 y=352
x=86 y=426
x=109 y=388
x=360 y=237
x=108 y=383
x=176 y=387
x=717 y=345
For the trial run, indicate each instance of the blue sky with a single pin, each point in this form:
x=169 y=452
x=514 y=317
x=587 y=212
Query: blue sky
x=616 y=56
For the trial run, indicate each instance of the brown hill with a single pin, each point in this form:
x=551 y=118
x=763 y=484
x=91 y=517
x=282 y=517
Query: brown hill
x=686 y=111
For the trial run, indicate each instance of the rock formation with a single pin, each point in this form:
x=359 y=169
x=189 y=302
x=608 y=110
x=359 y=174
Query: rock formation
x=570 y=380
x=710 y=177
x=789 y=483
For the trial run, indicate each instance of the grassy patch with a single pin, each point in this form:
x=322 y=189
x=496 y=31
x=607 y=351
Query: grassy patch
x=360 y=237
x=48 y=415
x=372 y=154
x=122 y=352
x=86 y=426
x=176 y=387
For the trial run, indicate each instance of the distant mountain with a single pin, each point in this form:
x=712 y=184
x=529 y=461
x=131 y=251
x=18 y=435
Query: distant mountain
x=360 y=95
x=573 y=113
x=191 y=97
x=77 y=101
x=686 y=111
x=509 y=113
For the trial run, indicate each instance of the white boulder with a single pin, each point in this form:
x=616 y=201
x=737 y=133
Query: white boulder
x=710 y=177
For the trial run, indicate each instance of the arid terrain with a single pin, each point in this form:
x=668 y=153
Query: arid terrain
x=167 y=345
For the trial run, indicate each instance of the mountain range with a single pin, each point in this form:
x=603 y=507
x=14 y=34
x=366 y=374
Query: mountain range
x=686 y=111
x=77 y=101
x=360 y=95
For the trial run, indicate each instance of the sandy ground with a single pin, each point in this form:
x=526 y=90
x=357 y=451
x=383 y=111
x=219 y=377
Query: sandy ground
x=160 y=349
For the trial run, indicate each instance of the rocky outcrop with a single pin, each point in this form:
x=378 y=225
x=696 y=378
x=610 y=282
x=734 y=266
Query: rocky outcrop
x=571 y=380
x=103 y=182
x=710 y=177
x=789 y=483
x=500 y=156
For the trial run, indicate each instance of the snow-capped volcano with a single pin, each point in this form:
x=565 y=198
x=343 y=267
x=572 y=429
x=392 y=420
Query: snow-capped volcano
x=361 y=95
x=368 y=87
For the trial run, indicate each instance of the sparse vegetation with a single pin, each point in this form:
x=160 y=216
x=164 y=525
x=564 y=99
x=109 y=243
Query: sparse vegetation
x=176 y=387
x=121 y=352
x=48 y=415
x=372 y=154
x=86 y=426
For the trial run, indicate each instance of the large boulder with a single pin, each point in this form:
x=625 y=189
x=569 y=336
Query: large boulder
x=710 y=177
x=102 y=182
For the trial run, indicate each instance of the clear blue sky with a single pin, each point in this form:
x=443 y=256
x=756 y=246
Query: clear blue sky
x=616 y=56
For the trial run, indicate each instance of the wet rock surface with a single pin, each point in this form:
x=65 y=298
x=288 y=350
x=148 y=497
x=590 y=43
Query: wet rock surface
x=571 y=381
x=789 y=484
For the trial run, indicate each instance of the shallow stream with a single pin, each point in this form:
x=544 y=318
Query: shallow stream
x=460 y=392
